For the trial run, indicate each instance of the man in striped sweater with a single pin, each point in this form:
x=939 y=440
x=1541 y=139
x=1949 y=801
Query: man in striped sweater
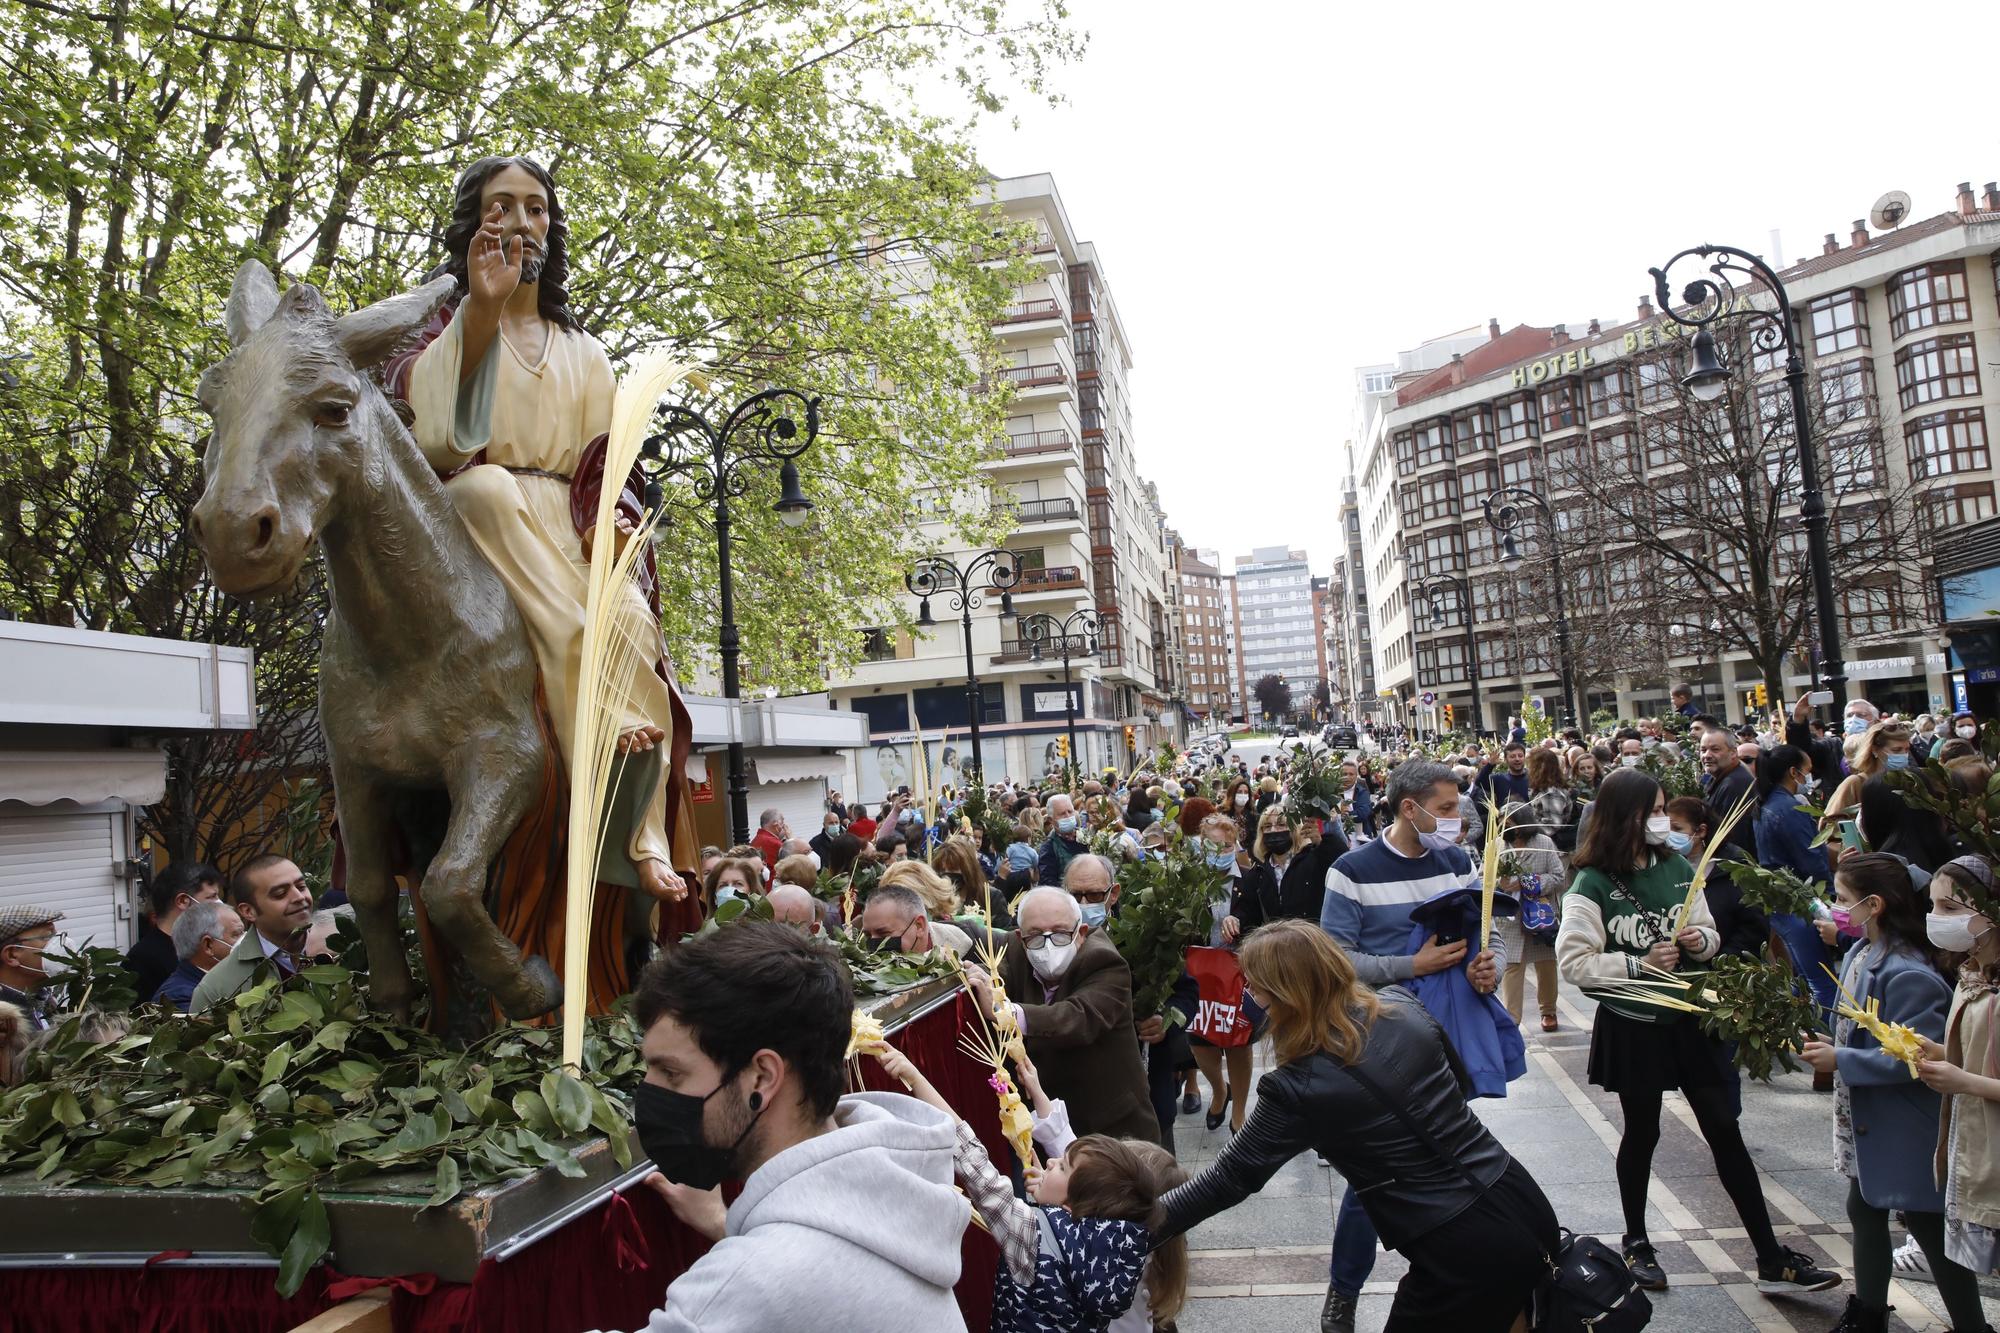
x=1370 y=893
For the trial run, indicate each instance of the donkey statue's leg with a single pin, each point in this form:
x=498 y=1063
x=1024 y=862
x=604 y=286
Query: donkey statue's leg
x=365 y=833
x=493 y=783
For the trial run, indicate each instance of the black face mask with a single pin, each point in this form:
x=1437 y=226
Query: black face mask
x=1277 y=842
x=669 y=1125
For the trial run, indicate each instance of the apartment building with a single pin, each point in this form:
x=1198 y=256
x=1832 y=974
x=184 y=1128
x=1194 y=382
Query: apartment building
x=1088 y=530
x=1350 y=639
x=1275 y=624
x=1207 y=635
x=1900 y=331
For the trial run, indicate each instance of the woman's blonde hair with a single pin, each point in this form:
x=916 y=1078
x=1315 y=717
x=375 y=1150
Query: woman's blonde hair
x=1126 y=1179
x=1870 y=756
x=940 y=898
x=797 y=870
x=1274 y=816
x=1219 y=820
x=1315 y=1001
x=1104 y=814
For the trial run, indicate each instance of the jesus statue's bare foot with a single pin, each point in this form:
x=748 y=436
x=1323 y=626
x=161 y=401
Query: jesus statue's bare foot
x=640 y=739
x=658 y=879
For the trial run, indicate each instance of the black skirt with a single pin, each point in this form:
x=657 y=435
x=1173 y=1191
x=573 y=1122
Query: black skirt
x=1627 y=1055
x=1477 y=1272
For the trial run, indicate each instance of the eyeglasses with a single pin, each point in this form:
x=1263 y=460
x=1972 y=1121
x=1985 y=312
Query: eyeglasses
x=1060 y=938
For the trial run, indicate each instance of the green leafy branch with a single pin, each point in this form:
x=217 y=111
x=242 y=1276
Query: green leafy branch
x=296 y=1090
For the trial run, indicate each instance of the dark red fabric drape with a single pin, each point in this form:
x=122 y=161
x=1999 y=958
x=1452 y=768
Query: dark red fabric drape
x=607 y=1269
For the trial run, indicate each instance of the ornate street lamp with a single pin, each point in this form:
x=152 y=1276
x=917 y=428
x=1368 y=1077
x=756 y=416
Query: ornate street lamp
x=716 y=462
x=1075 y=635
x=1714 y=301
x=1504 y=512
x=935 y=575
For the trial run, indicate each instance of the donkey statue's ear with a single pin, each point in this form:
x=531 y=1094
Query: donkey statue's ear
x=374 y=333
x=252 y=298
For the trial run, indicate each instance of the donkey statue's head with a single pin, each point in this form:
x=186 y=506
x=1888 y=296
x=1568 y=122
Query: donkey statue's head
x=294 y=416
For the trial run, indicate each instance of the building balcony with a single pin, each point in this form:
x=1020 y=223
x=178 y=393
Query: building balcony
x=1041 y=317
x=1057 y=579
x=1029 y=513
x=1031 y=382
x=1041 y=448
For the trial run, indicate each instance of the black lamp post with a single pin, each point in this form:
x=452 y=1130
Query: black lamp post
x=1714 y=301
x=1503 y=511
x=935 y=575
x=714 y=461
x=1075 y=635
x=1434 y=594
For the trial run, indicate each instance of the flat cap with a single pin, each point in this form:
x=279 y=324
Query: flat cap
x=19 y=920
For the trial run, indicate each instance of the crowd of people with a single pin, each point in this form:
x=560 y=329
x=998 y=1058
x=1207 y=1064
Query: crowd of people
x=1353 y=943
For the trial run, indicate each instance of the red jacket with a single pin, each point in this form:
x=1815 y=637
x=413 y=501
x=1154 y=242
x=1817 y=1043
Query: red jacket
x=768 y=843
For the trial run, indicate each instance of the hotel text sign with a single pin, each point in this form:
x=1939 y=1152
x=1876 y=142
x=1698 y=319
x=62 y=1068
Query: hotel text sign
x=1575 y=360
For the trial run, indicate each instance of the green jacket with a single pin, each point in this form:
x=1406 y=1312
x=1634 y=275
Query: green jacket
x=230 y=975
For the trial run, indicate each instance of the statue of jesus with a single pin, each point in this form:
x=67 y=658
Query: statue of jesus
x=511 y=402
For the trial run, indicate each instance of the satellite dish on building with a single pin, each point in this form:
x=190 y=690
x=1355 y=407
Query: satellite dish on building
x=1889 y=210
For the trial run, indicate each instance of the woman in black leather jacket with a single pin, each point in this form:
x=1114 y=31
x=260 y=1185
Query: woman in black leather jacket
x=1287 y=873
x=1370 y=1081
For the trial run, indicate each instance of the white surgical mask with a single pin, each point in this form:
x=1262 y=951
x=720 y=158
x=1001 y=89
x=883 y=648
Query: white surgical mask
x=1657 y=829
x=1242 y=799
x=1629 y=760
x=1444 y=833
x=1854 y=726
x=1952 y=933
x=1052 y=960
x=1967 y=731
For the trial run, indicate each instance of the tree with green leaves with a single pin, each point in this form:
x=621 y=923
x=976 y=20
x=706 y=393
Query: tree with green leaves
x=766 y=186
x=1274 y=696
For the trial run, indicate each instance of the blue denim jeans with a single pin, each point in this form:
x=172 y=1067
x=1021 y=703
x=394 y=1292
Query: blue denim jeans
x=1354 y=1245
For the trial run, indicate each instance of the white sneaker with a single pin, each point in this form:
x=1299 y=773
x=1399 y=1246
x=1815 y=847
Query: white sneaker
x=1909 y=1261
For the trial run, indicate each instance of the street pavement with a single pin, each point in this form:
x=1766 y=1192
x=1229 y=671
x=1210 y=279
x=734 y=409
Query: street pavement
x=1262 y=1265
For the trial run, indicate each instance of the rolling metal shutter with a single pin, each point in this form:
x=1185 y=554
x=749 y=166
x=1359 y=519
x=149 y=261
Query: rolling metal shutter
x=66 y=858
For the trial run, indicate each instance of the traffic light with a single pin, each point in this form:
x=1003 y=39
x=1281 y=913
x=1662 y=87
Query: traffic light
x=1131 y=737
x=1756 y=698
x=1763 y=695
x=1448 y=718
x=1062 y=746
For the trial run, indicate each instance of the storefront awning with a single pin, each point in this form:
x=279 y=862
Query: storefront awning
x=798 y=768
x=38 y=777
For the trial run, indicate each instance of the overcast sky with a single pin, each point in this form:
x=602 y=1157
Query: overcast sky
x=1281 y=192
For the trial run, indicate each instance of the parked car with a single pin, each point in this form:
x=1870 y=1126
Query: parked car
x=1341 y=736
x=1287 y=731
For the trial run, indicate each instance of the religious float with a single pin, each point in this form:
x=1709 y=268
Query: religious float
x=433 y=1131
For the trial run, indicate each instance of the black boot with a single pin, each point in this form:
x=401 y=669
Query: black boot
x=1859 y=1318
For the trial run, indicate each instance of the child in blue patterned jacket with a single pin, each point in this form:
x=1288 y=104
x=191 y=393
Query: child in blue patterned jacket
x=1073 y=1261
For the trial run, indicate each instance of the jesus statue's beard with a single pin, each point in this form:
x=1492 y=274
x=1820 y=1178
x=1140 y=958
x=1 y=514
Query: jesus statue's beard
x=531 y=268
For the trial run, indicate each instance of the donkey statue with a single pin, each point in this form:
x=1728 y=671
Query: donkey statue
x=427 y=681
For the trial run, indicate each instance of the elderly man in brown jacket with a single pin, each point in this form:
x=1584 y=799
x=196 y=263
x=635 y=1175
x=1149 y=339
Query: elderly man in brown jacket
x=1072 y=995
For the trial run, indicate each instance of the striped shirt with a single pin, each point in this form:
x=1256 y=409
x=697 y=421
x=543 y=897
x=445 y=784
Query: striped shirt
x=1369 y=894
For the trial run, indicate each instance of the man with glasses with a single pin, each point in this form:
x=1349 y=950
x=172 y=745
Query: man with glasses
x=895 y=919
x=272 y=896
x=28 y=933
x=1071 y=993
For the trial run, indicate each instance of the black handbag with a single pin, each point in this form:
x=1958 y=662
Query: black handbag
x=1588 y=1288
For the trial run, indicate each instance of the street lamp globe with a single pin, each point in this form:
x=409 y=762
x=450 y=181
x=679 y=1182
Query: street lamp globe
x=792 y=506
x=1510 y=554
x=1707 y=376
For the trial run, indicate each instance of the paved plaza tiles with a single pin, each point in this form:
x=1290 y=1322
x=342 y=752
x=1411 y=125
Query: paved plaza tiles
x=1262 y=1266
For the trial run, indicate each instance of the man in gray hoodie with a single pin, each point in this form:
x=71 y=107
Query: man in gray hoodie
x=848 y=1218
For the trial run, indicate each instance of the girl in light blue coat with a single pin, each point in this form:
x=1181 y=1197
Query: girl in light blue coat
x=1885 y=1120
